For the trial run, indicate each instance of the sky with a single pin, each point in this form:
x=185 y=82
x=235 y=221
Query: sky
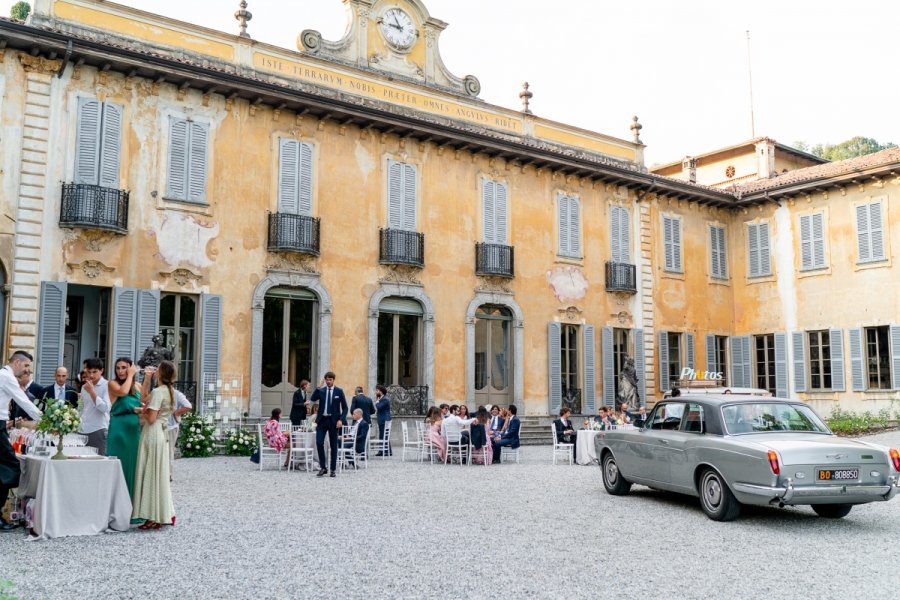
x=823 y=71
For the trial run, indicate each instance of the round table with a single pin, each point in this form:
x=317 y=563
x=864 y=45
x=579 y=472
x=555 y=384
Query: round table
x=585 y=451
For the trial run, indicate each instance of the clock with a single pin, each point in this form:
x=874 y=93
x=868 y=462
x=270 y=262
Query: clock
x=398 y=28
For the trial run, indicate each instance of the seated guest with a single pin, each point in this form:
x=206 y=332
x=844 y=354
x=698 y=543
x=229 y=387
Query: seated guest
x=435 y=438
x=482 y=452
x=496 y=420
x=565 y=432
x=642 y=415
x=510 y=435
x=445 y=411
x=277 y=440
x=362 y=430
x=463 y=412
x=624 y=414
x=454 y=427
x=605 y=418
x=504 y=419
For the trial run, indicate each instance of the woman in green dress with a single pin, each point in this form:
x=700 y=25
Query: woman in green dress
x=152 y=494
x=124 y=424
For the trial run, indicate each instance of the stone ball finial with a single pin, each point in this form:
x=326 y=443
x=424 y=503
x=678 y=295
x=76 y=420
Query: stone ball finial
x=243 y=17
x=526 y=97
x=636 y=129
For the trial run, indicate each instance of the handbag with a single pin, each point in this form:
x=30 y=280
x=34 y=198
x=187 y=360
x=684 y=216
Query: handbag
x=254 y=458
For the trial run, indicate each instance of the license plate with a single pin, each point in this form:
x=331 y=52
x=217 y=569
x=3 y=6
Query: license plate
x=837 y=474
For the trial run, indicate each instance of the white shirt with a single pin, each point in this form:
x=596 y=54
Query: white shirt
x=10 y=390
x=95 y=415
x=181 y=401
x=453 y=426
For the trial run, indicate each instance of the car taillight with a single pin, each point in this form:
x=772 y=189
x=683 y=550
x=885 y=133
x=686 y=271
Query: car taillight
x=773 y=462
x=895 y=458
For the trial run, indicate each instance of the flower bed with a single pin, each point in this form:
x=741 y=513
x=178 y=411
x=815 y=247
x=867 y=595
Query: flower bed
x=196 y=438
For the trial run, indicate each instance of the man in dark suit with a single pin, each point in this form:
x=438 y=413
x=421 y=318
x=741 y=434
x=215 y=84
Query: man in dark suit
x=510 y=437
x=364 y=403
x=362 y=430
x=299 y=404
x=330 y=417
x=565 y=433
x=33 y=391
x=60 y=390
x=383 y=410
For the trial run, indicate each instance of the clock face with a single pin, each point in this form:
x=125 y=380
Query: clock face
x=398 y=28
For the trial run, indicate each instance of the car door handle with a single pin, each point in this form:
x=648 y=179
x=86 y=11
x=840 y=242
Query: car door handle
x=664 y=442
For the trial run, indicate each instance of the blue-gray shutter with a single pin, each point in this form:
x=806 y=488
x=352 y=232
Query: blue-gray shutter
x=110 y=145
x=740 y=361
x=575 y=226
x=176 y=180
x=609 y=374
x=615 y=244
x=620 y=234
x=806 y=243
x=668 y=251
x=723 y=254
x=895 y=357
x=304 y=193
x=87 y=141
x=210 y=333
x=409 y=197
x=197 y=166
x=765 y=259
x=663 y=349
x=711 y=354
x=488 y=211
x=124 y=316
x=395 y=195
x=818 y=241
x=554 y=333
x=857 y=375
x=590 y=371
x=781 y=367
x=747 y=365
x=799 y=349
x=51 y=331
x=288 y=184
x=676 y=245
x=836 y=340
x=147 y=320
x=876 y=231
x=639 y=365
x=863 y=238
x=689 y=342
x=501 y=208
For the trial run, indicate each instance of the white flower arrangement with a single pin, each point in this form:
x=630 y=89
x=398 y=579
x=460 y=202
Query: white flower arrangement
x=59 y=418
x=196 y=436
x=239 y=443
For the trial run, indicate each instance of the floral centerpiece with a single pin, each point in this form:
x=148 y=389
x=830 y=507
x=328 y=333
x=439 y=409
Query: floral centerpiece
x=59 y=419
x=309 y=425
x=239 y=442
x=196 y=439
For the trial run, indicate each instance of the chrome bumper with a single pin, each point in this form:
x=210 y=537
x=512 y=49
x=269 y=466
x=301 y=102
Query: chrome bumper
x=789 y=492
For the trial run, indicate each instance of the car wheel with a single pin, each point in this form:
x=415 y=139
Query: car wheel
x=613 y=481
x=832 y=511
x=717 y=501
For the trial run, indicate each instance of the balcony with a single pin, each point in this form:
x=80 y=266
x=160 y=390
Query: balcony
x=293 y=233
x=401 y=247
x=93 y=207
x=620 y=277
x=494 y=260
x=571 y=399
x=408 y=400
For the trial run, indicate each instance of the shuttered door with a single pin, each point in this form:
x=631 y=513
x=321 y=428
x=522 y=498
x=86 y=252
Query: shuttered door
x=501 y=208
x=288 y=176
x=747 y=364
x=857 y=375
x=836 y=339
x=51 y=331
x=124 y=315
x=147 y=320
x=590 y=371
x=608 y=357
x=304 y=194
x=663 y=349
x=199 y=133
x=781 y=367
x=87 y=141
x=640 y=364
x=740 y=361
x=895 y=357
x=110 y=145
x=689 y=342
x=711 y=354
x=409 y=197
x=798 y=348
x=210 y=333
x=554 y=332
x=488 y=211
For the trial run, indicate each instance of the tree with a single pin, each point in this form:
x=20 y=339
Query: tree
x=855 y=146
x=20 y=11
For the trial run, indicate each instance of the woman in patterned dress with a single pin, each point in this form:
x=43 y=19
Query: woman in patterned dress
x=152 y=494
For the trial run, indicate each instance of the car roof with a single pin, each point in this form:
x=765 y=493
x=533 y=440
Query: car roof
x=719 y=399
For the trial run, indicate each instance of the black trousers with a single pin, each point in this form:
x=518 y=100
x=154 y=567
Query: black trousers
x=9 y=465
x=327 y=426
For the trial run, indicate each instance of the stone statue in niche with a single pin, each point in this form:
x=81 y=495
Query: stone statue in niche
x=628 y=385
x=155 y=354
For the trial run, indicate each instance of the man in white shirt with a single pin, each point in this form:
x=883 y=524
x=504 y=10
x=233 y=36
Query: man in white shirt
x=95 y=406
x=182 y=405
x=452 y=428
x=19 y=364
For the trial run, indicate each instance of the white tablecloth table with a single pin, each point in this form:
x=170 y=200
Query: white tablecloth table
x=75 y=496
x=585 y=452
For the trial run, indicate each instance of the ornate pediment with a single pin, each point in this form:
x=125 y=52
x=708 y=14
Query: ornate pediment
x=90 y=268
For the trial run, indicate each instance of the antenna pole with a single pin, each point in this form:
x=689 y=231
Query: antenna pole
x=750 y=78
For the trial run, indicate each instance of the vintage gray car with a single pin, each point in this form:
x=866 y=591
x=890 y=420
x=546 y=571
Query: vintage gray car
x=731 y=451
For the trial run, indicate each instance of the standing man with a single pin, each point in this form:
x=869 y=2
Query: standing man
x=364 y=403
x=331 y=415
x=19 y=363
x=182 y=405
x=95 y=406
x=383 y=408
x=300 y=404
x=60 y=390
x=33 y=391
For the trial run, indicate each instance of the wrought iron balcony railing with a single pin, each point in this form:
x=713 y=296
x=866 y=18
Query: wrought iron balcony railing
x=496 y=260
x=293 y=233
x=401 y=247
x=620 y=277
x=571 y=399
x=408 y=400
x=188 y=388
x=93 y=207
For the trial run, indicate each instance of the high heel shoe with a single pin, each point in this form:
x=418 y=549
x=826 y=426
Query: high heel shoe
x=148 y=525
x=173 y=520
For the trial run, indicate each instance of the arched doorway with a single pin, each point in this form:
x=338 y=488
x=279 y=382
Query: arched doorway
x=493 y=355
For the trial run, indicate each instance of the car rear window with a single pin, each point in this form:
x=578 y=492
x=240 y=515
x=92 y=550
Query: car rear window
x=762 y=417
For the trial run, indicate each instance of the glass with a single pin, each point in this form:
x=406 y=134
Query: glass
x=759 y=417
x=500 y=353
x=273 y=340
x=300 y=340
x=386 y=348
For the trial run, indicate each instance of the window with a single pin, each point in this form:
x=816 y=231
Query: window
x=187 y=160
x=718 y=352
x=295 y=177
x=672 y=244
x=401 y=196
x=758 y=252
x=693 y=421
x=568 y=358
x=812 y=242
x=177 y=321
x=620 y=234
x=819 y=359
x=878 y=357
x=667 y=416
x=764 y=359
x=674 y=363
x=493 y=204
x=621 y=351
x=569 y=226
x=869 y=232
x=717 y=256
x=97 y=143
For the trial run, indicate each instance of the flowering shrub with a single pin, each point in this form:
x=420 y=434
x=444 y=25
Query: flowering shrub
x=59 y=418
x=239 y=442
x=196 y=438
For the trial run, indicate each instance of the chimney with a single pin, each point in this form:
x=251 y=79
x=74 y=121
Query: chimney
x=765 y=158
x=689 y=168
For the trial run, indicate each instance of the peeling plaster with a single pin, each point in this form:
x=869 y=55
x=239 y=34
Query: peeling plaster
x=364 y=161
x=567 y=283
x=183 y=240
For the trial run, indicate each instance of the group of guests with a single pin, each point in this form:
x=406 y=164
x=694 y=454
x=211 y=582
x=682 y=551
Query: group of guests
x=487 y=432
x=607 y=418
x=136 y=423
x=330 y=406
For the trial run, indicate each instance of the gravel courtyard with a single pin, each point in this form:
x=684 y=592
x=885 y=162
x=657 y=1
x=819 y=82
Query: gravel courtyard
x=407 y=530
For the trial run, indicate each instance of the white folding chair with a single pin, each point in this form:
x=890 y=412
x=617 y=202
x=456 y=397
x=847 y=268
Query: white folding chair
x=511 y=453
x=346 y=454
x=411 y=445
x=364 y=457
x=265 y=451
x=383 y=445
x=428 y=449
x=456 y=446
x=299 y=452
x=484 y=451
x=560 y=446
